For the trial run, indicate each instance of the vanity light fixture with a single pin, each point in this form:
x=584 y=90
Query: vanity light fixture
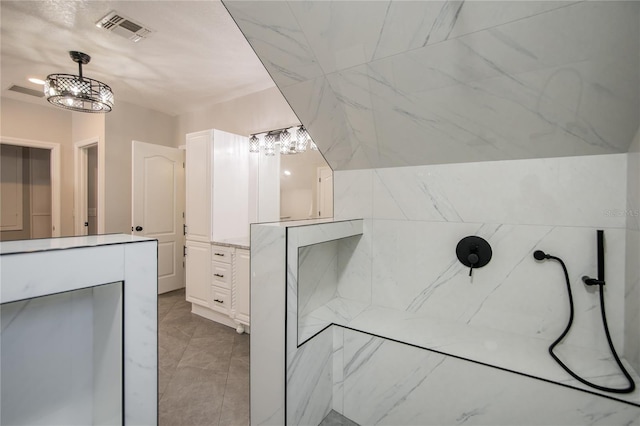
x=292 y=140
x=76 y=92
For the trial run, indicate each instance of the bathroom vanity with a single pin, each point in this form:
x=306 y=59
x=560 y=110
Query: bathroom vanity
x=79 y=330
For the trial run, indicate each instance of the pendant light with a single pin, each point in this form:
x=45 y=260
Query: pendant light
x=76 y=92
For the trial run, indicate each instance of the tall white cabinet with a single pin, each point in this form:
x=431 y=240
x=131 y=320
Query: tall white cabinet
x=217 y=226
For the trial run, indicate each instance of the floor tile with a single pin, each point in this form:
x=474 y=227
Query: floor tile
x=203 y=368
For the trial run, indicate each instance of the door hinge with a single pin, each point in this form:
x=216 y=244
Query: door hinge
x=184 y=251
x=184 y=229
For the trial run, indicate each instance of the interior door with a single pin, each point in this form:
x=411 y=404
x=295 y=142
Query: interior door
x=158 y=206
x=325 y=192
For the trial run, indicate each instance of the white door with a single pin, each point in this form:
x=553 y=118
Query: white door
x=325 y=192
x=158 y=206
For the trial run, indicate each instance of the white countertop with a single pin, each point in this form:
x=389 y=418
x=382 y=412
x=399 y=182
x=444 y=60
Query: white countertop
x=63 y=243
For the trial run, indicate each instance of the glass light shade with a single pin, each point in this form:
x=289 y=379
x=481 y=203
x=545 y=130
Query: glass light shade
x=78 y=93
x=270 y=144
x=254 y=144
x=303 y=139
x=285 y=143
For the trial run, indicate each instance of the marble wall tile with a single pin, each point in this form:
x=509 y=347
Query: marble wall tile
x=319 y=109
x=533 y=192
x=632 y=292
x=354 y=266
x=310 y=381
x=277 y=39
x=317 y=275
x=338 y=369
x=58 y=388
x=353 y=194
x=268 y=313
x=513 y=293
x=413 y=83
x=394 y=384
x=341 y=34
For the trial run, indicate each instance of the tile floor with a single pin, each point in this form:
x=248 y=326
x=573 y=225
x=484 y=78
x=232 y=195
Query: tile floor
x=204 y=368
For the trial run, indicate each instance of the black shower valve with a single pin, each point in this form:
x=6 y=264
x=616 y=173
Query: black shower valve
x=474 y=252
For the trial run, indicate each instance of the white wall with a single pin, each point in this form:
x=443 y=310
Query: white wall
x=47 y=124
x=258 y=112
x=298 y=191
x=128 y=122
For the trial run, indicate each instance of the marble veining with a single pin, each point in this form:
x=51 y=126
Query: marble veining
x=37 y=268
x=415 y=83
x=390 y=383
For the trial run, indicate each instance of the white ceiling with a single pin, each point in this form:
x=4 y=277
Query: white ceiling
x=197 y=56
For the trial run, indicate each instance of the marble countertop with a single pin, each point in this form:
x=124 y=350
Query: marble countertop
x=63 y=243
x=241 y=243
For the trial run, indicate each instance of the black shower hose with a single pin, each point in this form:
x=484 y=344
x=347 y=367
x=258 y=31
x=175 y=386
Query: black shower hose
x=632 y=385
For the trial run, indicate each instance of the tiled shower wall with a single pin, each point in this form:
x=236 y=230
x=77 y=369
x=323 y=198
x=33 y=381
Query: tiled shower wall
x=632 y=295
x=415 y=216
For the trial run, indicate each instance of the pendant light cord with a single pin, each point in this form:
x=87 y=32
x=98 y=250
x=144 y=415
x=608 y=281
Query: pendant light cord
x=627 y=389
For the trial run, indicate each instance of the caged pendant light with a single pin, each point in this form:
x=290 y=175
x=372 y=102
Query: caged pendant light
x=76 y=92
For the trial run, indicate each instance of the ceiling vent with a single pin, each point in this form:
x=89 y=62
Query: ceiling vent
x=123 y=26
x=27 y=91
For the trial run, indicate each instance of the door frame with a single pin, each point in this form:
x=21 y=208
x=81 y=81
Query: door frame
x=54 y=159
x=319 y=187
x=80 y=184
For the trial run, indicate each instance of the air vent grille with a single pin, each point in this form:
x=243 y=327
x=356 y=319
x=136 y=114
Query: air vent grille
x=125 y=27
x=27 y=91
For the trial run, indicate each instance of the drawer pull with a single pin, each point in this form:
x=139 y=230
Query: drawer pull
x=218 y=275
x=219 y=254
x=218 y=301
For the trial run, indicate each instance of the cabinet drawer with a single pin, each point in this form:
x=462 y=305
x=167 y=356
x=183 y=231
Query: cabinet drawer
x=220 y=299
x=221 y=274
x=221 y=253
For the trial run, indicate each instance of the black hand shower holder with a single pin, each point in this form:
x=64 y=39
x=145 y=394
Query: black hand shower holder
x=600 y=282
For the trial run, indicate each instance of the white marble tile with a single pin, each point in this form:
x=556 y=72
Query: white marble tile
x=412 y=83
x=338 y=369
x=91 y=266
x=310 y=381
x=509 y=293
x=353 y=194
x=632 y=300
x=316 y=105
x=141 y=332
x=317 y=276
x=299 y=236
x=268 y=313
x=83 y=262
x=56 y=388
x=394 y=384
x=536 y=192
x=276 y=37
x=341 y=34
x=354 y=266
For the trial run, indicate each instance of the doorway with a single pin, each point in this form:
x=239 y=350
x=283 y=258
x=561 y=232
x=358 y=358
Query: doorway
x=88 y=188
x=30 y=195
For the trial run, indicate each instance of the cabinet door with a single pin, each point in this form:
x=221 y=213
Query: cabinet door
x=198 y=273
x=242 y=286
x=198 y=186
x=230 y=173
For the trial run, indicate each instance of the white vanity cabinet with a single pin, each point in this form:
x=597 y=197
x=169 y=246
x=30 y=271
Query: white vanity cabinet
x=217 y=186
x=242 y=262
x=198 y=271
x=218 y=283
x=217 y=212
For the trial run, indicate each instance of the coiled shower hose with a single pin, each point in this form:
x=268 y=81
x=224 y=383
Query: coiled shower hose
x=627 y=389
